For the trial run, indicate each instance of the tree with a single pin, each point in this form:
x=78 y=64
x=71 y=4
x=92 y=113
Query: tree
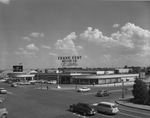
x=140 y=91
x=149 y=94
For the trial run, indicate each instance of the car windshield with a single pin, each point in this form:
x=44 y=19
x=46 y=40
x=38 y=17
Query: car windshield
x=84 y=88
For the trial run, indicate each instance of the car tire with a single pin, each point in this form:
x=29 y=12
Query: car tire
x=84 y=113
x=71 y=109
x=4 y=116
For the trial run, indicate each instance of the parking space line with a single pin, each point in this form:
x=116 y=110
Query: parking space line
x=129 y=115
x=135 y=111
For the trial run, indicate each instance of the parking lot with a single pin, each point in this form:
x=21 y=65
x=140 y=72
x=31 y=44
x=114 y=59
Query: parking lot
x=29 y=101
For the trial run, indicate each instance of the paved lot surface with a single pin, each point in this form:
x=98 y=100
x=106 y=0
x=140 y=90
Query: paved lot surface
x=29 y=102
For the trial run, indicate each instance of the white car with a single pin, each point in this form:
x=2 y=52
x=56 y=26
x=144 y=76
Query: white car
x=84 y=89
x=3 y=113
x=51 y=82
x=24 y=83
x=3 y=91
x=2 y=80
x=106 y=107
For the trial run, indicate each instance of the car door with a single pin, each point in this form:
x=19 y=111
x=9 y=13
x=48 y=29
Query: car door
x=80 y=107
x=99 y=107
x=105 y=93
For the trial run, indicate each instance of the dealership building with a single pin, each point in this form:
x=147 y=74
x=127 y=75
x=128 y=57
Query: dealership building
x=86 y=77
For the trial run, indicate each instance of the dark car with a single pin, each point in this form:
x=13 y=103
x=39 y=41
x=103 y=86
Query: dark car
x=84 y=108
x=148 y=102
x=102 y=93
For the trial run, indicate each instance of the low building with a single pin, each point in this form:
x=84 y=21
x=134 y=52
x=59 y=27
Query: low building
x=80 y=78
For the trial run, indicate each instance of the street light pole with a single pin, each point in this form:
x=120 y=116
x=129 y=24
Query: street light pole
x=58 y=82
x=76 y=83
x=122 y=89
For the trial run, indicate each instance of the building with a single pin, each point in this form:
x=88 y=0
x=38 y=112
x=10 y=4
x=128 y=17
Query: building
x=86 y=77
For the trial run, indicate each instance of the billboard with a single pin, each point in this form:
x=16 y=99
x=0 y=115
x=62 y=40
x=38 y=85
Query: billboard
x=18 y=68
x=69 y=61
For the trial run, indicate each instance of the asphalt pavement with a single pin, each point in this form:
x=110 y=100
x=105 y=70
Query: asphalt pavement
x=123 y=102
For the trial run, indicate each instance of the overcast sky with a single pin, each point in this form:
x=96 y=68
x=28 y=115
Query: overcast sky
x=104 y=33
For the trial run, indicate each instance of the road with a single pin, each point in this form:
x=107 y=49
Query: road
x=27 y=102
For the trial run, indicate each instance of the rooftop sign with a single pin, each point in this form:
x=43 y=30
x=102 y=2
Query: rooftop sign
x=68 y=61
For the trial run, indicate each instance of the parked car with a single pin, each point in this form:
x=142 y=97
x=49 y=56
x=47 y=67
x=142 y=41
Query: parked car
x=3 y=91
x=32 y=82
x=51 y=82
x=106 y=107
x=9 y=81
x=148 y=102
x=84 y=108
x=3 y=113
x=2 y=80
x=84 y=89
x=40 y=81
x=102 y=93
x=14 y=84
x=24 y=83
x=1 y=100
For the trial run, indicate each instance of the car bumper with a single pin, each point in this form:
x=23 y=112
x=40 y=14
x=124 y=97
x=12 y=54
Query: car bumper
x=92 y=112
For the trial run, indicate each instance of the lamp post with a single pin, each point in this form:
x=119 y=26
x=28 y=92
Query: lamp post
x=41 y=85
x=58 y=82
x=76 y=84
x=122 y=89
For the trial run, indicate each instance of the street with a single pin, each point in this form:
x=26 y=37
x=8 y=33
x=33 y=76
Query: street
x=28 y=102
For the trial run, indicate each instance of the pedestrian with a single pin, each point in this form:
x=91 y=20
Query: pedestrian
x=47 y=87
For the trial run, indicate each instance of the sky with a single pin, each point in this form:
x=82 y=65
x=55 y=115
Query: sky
x=105 y=33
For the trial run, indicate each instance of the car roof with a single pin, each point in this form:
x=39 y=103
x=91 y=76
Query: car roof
x=108 y=103
x=84 y=87
x=84 y=104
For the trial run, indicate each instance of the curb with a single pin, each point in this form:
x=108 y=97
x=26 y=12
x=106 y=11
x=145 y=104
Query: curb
x=131 y=106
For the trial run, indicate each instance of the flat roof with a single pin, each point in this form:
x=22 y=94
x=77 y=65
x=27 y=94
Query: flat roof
x=106 y=76
x=25 y=75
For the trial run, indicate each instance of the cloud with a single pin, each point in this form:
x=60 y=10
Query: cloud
x=5 y=1
x=22 y=51
x=129 y=36
x=53 y=54
x=130 y=41
x=132 y=36
x=95 y=36
x=46 y=47
x=67 y=44
x=26 y=38
x=116 y=25
x=36 y=34
x=32 y=47
x=105 y=57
